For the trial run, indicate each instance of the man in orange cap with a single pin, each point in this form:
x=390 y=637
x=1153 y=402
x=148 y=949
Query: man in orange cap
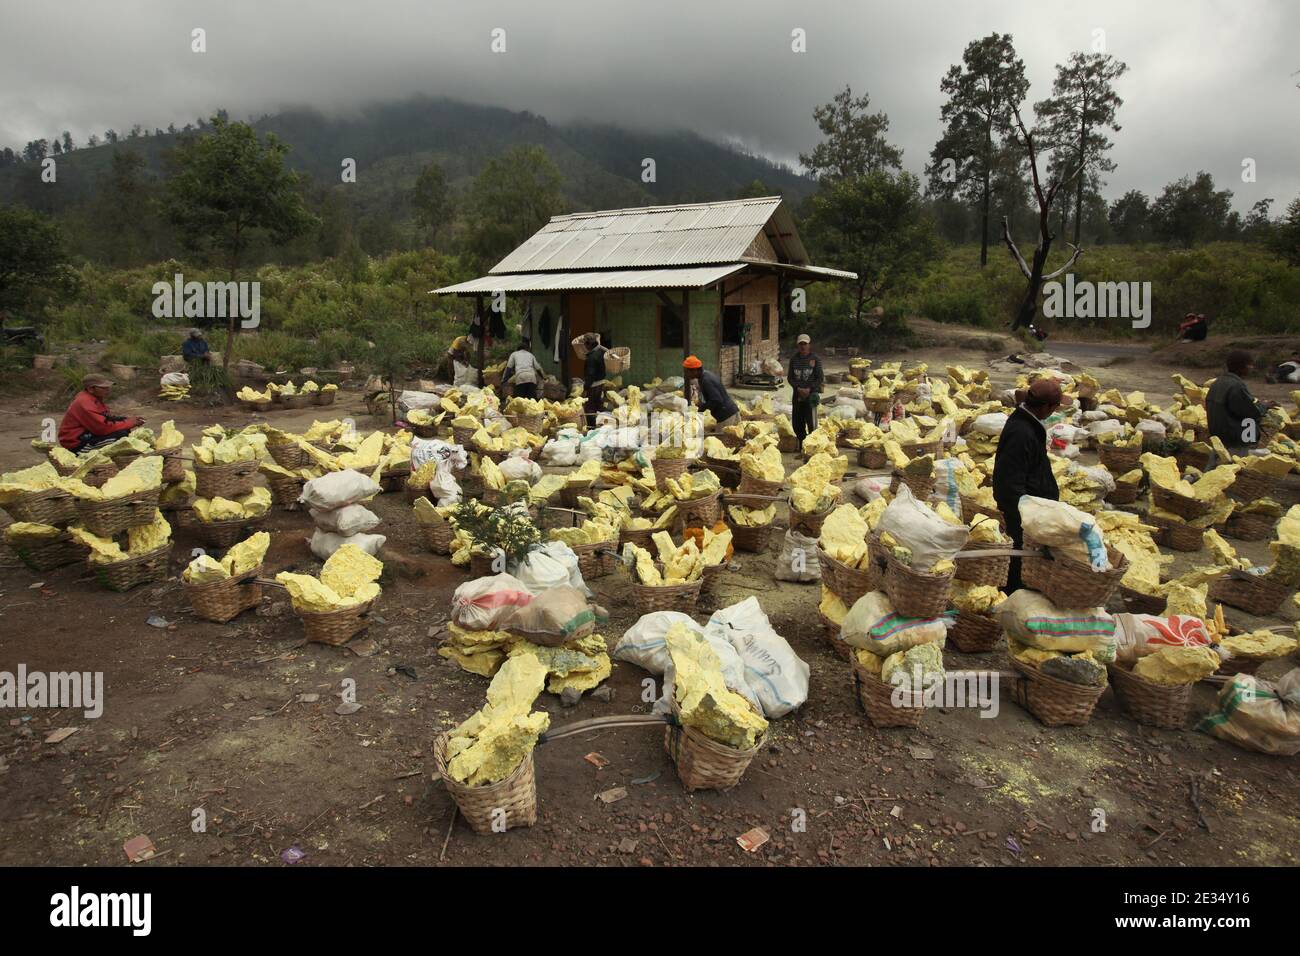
x=1022 y=465
x=87 y=422
x=705 y=391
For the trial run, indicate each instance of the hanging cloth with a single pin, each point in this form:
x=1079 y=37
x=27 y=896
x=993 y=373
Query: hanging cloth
x=544 y=327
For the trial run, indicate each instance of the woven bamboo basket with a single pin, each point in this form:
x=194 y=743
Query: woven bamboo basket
x=1249 y=527
x=289 y=455
x=921 y=486
x=755 y=540
x=49 y=555
x=112 y=517
x=480 y=564
x=51 y=506
x=509 y=803
x=250 y=407
x=709 y=578
x=642 y=539
x=669 y=597
x=1136 y=602
x=1070 y=583
x=1118 y=460
x=1254 y=594
x=554 y=391
x=568 y=495
x=704 y=764
x=848 y=584
x=498 y=455
x=808 y=523
x=992 y=571
x=1251 y=486
x=285 y=492
x=1123 y=494
x=224 y=481
x=1239 y=665
x=297 y=400
x=100 y=474
x=1056 y=703
x=832 y=632
x=471 y=486
x=667 y=468
x=597 y=560
x=759 y=486
x=700 y=512
x=873 y=457
x=970 y=508
x=877 y=700
x=1187 y=458
x=173 y=467
x=222 y=534
x=973 y=633
x=423 y=431
x=788 y=445
x=221 y=601
x=1180 y=505
x=531 y=423
x=1156 y=705
x=920 y=448
x=324 y=397
x=916 y=593
x=463 y=436
x=394 y=479
x=335 y=627
x=1177 y=536
x=143 y=569
x=438 y=536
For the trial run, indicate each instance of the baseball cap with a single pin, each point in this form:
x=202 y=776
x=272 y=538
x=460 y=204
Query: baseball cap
x=802 y=339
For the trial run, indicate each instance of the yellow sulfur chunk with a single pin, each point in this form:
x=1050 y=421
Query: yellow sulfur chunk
x=30 y=533
x=102 y=550
x=149 y=537
x=349 y=569
x=765 y=466
x=217 y=509
x=833 y=607
x=1183 y=599
x=715 y=547
x=205 y=569
x=644 y=565
x=247 y=554
x=1177 y=665
x=704 y=702
x=1260 y=645
x=494 y=741
x=843 y=535
x=751 y=517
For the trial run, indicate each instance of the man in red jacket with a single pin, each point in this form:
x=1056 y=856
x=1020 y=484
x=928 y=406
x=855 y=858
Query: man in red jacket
x=87 y=423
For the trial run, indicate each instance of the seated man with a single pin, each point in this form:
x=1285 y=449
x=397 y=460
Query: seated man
x=704 y=390
x=195 y=348
x=87 y=422
x=1232 y=413
x=1194 y=327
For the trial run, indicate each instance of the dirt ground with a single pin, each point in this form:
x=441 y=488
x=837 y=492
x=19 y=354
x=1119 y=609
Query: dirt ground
x=202 y=716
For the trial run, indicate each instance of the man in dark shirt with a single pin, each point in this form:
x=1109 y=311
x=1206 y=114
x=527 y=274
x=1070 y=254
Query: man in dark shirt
x=1231 y=412
x=806 y=378
x=195 y=348
x=1022 y=465
x=593 y=371
x=706 y=392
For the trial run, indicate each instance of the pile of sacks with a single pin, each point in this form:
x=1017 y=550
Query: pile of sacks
x=335 y=503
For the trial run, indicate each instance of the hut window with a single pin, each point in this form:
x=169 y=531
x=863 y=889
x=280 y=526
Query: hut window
x=767 y=322
x=733 y=320
x=670 y=329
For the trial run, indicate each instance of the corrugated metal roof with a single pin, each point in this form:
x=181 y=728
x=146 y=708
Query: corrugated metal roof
x=695 y=234
x=685 y=278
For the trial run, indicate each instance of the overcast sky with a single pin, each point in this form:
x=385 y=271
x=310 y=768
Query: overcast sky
x=1209 y=83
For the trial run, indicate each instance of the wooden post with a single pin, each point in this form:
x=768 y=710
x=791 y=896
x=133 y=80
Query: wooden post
x=685 y=315
x=482 y=337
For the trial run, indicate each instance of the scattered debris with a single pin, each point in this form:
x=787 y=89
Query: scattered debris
x=612 y=796
x=344 y=710
x=60 y=735
x=139 y=848
x=596 y=760
x=751 y=840
x=158 y=621
x=293 y=854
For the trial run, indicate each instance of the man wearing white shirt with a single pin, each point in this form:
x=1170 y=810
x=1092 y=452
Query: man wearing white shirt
x=522 y=370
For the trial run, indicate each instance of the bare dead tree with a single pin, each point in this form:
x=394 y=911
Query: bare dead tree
x=1029 y=305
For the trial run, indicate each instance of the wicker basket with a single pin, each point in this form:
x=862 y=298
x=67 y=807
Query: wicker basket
x=672 y=468
x=1181 y=505
x=992 y=571
x=877 y=700
x=921 y=486
x=1123 y=494
x=173 y=467
x=973 y=633
x=921 y=448
x=438 y=536
x=224 y=481
x=297 y=400
x=1254 y=594
x=709 y=578
x=1176 y=535
x=873 y=457
x=700 y=512
x=324 y=396
x=598 y=559
x=480 y=564
x=1187 y=458
x=668 y=597
x=222 y=600
x=100 y=474
x=749 y=538
x=1251 y=486
x=1119 y=461
x=530 y=423
x=1136 y=602
x=916 y=593
x=1156 y=705
x=970 y=508
x=1249 y=527
x=51 y=506
x=846 y=583
x=112 y=517
x=285 y=492
x=1070 y=583
x=832 y=632
x=394 y=479
x=568 y=495
x=759 y=486
x=788 y=445
x=463 y=436
x=222 y=534
x=49 y=555
x=808 y=523
x=143 y=569
x=508 y=803
x=289 y=455
x=335 y=627
x=704 y=764
x=642 y=539
x=1054 y=702
x=423 y=431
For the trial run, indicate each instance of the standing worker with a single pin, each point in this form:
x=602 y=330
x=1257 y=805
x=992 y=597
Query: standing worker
x=705 y=391
x=522 y=370
x=806 y=378
x=87 y=423
x=593 y=371
x=1231 y=412
x=1021 y=465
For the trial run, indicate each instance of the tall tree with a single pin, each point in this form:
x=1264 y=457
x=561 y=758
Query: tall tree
x=512 y=197
x=432 y=200
x=36 y=150
x=229 y=188
x=1190 y=211
x=33 y=262
x=1130 y=217
x=1074 y=119
x=68 y=145
x=982 y=91
x=853 y=141
x=1284 y=238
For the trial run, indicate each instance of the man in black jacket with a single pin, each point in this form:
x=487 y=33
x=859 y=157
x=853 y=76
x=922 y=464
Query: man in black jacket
x=704 y=390
x=1022 y=465
x=1231 y=412
x=593 y=371
x=806 y=378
